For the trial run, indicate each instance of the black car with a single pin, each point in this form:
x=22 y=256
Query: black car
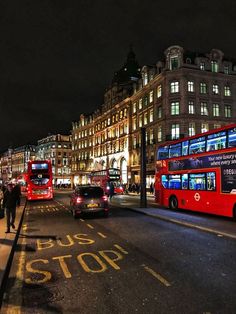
x=88 y=199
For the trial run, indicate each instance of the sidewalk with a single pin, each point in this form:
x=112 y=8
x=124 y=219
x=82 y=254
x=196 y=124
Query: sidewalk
x=7 y=242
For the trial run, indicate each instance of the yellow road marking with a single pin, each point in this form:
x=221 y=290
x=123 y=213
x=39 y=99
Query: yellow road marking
x=48 y=209
x=90 y=226
x=121 y=249
x=15 y=296
x=102 y=235
x=81 y=219
x=157 y=276
x=42 y=211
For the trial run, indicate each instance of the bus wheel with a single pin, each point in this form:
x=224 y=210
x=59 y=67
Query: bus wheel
x=234 y=213
x=173 y=203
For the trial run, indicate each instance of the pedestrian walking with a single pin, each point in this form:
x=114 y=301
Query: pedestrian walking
x=1 y=202
x=111 y=190
x=10 y=201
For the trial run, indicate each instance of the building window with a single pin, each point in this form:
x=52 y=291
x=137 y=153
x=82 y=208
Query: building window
x=174 y=87
x=215 y=89
x=159 y=133
x=145 y=78
x=204 y=127
x=214 y=66
x=227 y=91
x=145 y=101
x=151 y=115
x=203 y=88
x=226 y=69
x=151 y=96
x=228 y=111
x=159 y=111
x=190 y=86
x=174 y=62
x=204 y=109
x=145 y=118
x=140 y=121
x=191 y=129
x=191 y=107
x=216 y=126
x=216 y=110
x=175 y=108
x=175 y=131
x=202 y=66
x=134 y=124
x=159 y=91
x=140 y=104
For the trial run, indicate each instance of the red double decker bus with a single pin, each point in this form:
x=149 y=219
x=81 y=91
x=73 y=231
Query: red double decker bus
x=199 y=173
x=104 y=177
x=39 y=180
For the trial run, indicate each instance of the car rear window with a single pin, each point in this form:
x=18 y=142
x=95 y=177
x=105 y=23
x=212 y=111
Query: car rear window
x=91 y=192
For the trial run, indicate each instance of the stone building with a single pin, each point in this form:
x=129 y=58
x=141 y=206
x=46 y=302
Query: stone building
x=184 y=94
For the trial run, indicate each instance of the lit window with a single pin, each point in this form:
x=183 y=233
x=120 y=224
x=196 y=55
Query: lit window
x=174 y=87
x=216 y=126
x=145 y=100
x=191 y=107
x=175 y=131
x=216 y=110
x=191 y=129
x=140 y=121
x=175 y=108
x=226 y=69
x=214 y=66
x=190 y=86
x=215 y=89
x=159 y=133
x=159 y=111
x=204 y=127
x=202 y=66
x=145 y=118
x=227 y=91
x=159 y=91
x=228 y=111
x=203 y=88
x=151 y=96
x=140 y=103
x=145 y=78
x=151 y=115
x=134 y=124
x=204 y=109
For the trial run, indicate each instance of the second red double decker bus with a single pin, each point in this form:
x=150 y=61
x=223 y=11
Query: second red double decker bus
x=39 y=180
x=199 y=173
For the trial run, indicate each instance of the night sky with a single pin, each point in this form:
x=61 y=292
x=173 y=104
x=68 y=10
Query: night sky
x=58 y=57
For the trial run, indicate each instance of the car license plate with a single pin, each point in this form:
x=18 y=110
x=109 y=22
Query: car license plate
x=92 y=205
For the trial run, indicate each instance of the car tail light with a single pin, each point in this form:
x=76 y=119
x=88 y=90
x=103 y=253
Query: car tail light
x=79 y=200
x=105 y=198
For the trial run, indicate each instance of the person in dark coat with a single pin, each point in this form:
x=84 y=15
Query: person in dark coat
x=111 y=190
x=10 y=200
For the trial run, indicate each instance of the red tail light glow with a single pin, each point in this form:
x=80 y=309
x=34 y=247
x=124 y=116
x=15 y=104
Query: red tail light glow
x=105 y=198
x=79 y=200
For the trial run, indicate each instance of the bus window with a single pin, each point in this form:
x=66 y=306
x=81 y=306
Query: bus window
x=197 y=145
x=232 y=138
x=163 y=152
x=197 y=181
x=211 y=181
x=164 y=181
x=185 y=181
x=185 y=148
x=175 y=150
x=174 y=182
x=216 y=141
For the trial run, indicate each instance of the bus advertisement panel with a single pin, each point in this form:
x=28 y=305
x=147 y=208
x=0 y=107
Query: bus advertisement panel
x=199 y=179
x=39 y=180
x=104 y=177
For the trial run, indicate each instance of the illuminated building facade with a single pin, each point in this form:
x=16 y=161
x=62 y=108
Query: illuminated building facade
x=20 y=157
x=184 y=94
x=57 y=148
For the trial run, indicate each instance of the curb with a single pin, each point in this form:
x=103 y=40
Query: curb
x=10 y=258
